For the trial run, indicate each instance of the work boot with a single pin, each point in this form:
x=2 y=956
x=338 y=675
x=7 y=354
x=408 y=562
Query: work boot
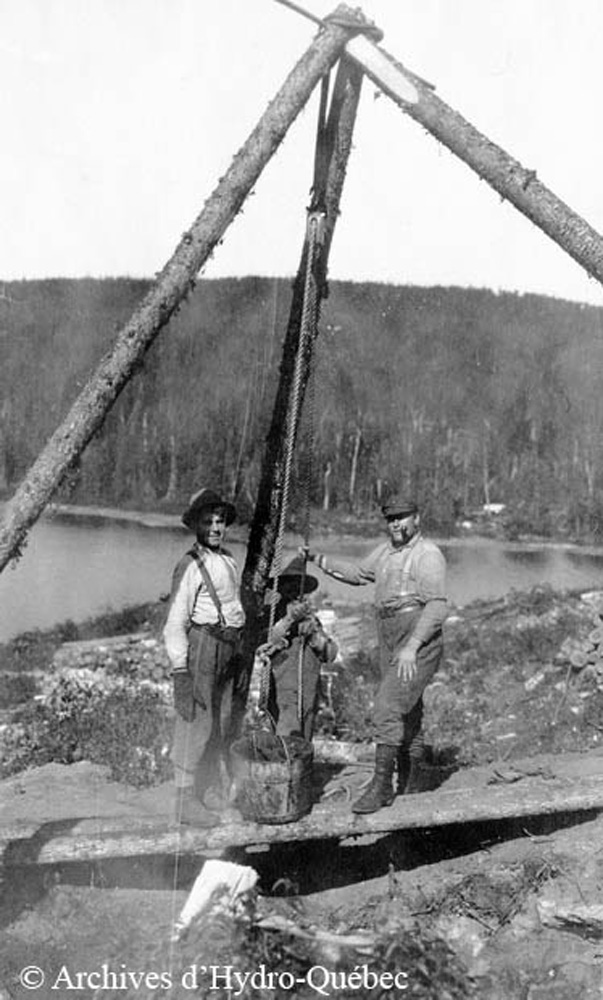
x=380 y=792
x=403 y=769
x=189 y=810
x=217 y=797
x=416 y=756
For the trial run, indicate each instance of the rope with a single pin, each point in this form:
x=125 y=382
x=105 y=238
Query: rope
x=315 y=236
x=300 y=682
x=308 y=465
x=358 y=27
x=315 y=232
x=322 y=152
x=342 y=20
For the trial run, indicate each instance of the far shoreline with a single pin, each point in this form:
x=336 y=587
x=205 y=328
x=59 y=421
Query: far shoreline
x=327 y=540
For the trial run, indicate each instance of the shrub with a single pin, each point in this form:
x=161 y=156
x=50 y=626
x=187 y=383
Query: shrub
x=81 y=715
x=16 y=688
x=354 y=696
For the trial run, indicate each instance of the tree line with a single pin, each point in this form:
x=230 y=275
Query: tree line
x=464 y=397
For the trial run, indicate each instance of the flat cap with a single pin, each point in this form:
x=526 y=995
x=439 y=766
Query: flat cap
x=399 y=506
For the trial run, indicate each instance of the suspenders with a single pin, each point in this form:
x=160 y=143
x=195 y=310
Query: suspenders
x=207 y=580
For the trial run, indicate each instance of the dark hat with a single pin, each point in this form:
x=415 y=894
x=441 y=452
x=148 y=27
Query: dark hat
x=206 y=500
x=399 y=506
x=292 y=573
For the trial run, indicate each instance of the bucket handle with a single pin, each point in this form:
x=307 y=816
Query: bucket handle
x=274 y=733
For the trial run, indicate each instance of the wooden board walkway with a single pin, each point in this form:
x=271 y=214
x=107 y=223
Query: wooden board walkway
x=537 y=786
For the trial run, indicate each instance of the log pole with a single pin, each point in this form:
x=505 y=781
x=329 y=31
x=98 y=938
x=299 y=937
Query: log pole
x=514 y=182
x=264 y=526
x=132 y=836
x=172 y=285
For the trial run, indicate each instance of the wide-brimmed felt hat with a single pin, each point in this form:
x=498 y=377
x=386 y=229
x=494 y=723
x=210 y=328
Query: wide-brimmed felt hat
x=293 y=573
x=399 y=506
x=206 y=499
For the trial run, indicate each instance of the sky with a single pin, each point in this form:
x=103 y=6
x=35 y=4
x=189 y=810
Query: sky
x=119 y=117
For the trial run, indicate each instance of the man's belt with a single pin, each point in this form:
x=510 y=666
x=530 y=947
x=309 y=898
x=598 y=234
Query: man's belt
x=226 y=633
x=392 y=609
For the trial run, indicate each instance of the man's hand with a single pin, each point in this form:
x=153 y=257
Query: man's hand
x=268 y=649
x=308 y=625
x=312 y=557
x=297 y=610
x=184 y=702
x=407 y=663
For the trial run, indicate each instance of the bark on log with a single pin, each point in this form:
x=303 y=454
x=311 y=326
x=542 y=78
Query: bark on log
x=172 y=285
x=571 y=790
x=507 y=176
x=264 y=526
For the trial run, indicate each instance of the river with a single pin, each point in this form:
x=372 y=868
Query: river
x=78 y=567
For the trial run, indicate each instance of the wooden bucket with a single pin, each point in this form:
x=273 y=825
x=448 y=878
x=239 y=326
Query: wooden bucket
x=273 y=777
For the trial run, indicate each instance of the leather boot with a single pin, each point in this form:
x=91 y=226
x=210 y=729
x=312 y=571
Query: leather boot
x=217 y=797
x=403 y=769
x=189 y=810
x=380 y=792
x=416 y=755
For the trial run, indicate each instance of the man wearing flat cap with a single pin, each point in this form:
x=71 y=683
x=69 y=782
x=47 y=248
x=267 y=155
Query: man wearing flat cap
x=409 y=572
x=202 y=637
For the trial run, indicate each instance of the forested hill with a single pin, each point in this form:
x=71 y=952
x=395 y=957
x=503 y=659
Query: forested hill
x=463 y=396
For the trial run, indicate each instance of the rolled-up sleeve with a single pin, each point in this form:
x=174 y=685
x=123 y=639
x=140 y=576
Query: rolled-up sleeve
x=356 y=574
x=431 y=580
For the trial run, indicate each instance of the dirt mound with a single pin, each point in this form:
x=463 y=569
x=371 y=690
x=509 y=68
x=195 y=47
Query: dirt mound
x=521 y=918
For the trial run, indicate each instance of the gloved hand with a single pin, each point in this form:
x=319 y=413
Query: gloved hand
x=297 y=609
x=276 y=645
x=316 y=638
x=184 y=702
x=308 y=625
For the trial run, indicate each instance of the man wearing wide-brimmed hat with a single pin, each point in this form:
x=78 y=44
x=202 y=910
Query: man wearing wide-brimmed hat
x=409 y=572
x=297 y=646
x=202 y=637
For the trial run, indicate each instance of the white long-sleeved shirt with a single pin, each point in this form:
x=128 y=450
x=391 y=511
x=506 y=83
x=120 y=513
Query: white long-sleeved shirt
x=192 y=604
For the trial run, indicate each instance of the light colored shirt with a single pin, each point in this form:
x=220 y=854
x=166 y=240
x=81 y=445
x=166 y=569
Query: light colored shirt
x=412 y=575
x=192 y=604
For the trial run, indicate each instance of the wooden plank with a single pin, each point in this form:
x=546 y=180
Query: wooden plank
x=576 y=785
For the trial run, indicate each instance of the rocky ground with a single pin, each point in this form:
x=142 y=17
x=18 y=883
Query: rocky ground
x=500 y=911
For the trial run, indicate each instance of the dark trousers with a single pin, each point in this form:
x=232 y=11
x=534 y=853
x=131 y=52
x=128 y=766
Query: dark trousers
x=219 y=683
x=284 y=702
x=398 y=709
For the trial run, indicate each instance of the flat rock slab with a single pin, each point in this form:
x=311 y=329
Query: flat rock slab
x=58 y=814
